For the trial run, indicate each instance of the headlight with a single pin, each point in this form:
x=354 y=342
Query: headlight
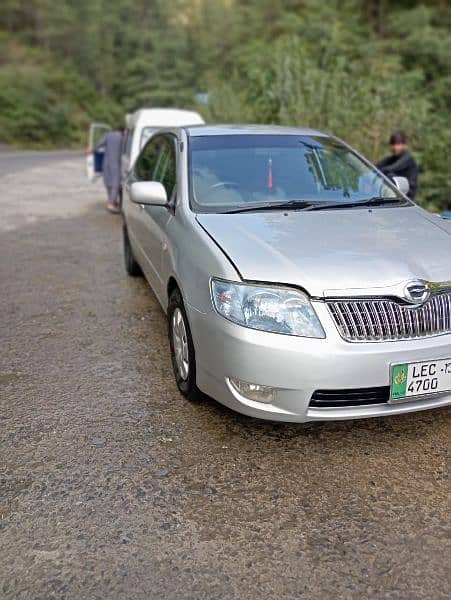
x=273 y=309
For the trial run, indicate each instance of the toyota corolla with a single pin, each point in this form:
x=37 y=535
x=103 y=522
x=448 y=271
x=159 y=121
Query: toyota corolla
x=300 y=284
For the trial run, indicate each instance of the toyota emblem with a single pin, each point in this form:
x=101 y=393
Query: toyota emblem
x=417 y=292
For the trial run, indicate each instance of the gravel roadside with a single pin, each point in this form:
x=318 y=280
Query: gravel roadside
x=113 y=486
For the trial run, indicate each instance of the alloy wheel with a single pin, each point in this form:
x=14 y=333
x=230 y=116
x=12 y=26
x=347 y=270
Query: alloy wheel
x=180 y=344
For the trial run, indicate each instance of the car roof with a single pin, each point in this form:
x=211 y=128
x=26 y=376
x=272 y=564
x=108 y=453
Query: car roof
x=206 y=130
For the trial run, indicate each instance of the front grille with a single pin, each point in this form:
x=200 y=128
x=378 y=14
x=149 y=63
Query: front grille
x=350 y=397
x=377 y=320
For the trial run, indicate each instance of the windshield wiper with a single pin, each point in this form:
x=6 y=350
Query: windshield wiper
x=308 y=205
x=375 y=201
x=291 y=204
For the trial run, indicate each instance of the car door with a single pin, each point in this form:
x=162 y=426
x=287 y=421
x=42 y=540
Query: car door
x=94 y=160
x=144 y=222
x=159 y=217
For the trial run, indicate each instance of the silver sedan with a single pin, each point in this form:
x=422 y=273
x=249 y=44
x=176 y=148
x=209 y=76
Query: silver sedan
x=300 y=284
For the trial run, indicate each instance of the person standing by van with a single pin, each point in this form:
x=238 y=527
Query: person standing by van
x=400 y=163
x=112 y=144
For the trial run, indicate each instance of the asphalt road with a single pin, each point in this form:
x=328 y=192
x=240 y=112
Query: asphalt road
x=14 y=161
x=113 y=486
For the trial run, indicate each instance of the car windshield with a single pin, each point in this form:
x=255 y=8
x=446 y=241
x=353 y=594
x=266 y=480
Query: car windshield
x=234 y=171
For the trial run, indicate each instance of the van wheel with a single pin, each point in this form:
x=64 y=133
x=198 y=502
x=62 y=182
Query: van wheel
x=182 y=348
x=131 y=265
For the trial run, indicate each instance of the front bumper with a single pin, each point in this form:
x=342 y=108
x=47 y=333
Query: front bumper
x=298 y=367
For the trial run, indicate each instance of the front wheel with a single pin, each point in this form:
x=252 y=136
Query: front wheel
x=182 y=347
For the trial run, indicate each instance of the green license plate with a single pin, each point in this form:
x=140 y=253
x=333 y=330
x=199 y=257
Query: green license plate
x=420 y=379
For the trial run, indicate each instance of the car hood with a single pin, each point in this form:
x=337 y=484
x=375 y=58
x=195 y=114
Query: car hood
x=334 y=250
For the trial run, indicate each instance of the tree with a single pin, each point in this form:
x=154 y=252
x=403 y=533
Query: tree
x=357 y=68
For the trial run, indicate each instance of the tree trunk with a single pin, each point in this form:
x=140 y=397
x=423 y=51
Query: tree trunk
x=374 y=12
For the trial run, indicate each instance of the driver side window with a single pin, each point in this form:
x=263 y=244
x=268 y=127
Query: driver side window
x=157 y=162
x=146 y=163
x=165 y=171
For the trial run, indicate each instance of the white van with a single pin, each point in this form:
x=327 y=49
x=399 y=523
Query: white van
x=139 y=126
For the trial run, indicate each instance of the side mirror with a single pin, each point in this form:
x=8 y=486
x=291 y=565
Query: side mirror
x=152 y=193
x=402 y=184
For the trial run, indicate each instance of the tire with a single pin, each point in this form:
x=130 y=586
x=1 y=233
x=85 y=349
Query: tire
x=182 y=348
x=131 y=265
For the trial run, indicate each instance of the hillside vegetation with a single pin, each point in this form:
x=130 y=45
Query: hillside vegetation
x=358 y=68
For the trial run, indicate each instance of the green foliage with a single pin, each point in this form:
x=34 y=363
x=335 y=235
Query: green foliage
x=322 y=65
x=43 y=104
x=24 y=109
x=357 y=68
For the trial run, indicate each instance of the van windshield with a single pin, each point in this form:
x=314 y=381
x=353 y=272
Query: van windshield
x=228 y=171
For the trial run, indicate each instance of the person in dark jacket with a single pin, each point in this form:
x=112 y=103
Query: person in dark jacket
x=112 y=144
x=400 y=163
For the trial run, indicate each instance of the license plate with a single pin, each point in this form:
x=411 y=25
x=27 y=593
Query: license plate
x=420 y=379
